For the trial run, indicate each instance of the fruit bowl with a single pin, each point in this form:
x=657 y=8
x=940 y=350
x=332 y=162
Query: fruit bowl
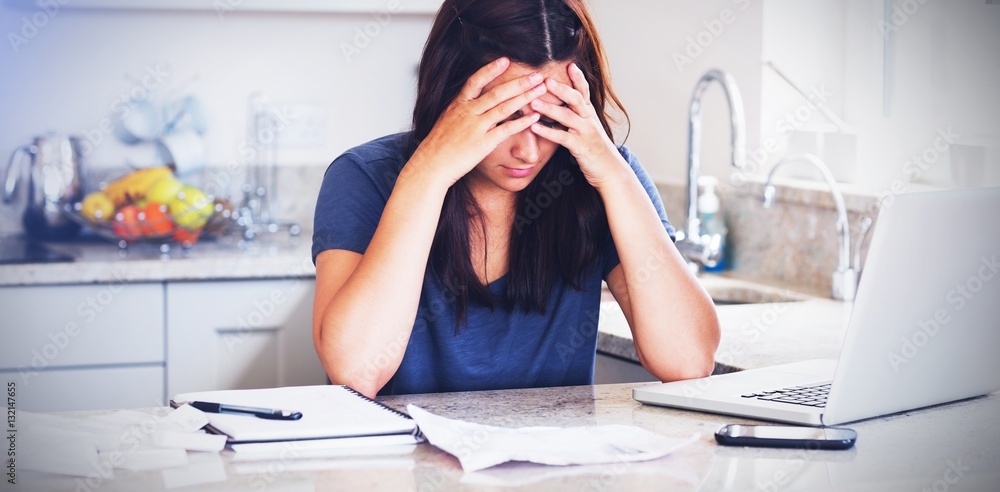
x=151 y=205
x=156 y=229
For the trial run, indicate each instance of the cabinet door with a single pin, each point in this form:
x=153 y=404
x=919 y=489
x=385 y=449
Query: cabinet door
x=240 y=334
x=47 y=327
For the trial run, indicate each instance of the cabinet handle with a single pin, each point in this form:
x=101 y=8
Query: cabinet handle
x=247 y=329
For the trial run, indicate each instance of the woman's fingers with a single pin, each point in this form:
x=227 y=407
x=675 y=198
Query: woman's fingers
x=506 y=108
x=560 y=114
x=503 y=131
x=552 y=134
x=473 y=87
x=571 y=96
x=579 y=81
x=506 y=91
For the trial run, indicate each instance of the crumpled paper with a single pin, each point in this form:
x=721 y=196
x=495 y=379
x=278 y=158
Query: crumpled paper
x=480 y=446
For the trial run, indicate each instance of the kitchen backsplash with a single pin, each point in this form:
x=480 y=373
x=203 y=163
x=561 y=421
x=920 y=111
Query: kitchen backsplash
x=794 y=244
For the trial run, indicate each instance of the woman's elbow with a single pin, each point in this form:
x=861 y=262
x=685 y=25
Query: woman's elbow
x=341 y=371
x=348 y=365
x=365 y=386
x=693 y=367
x=697 y=360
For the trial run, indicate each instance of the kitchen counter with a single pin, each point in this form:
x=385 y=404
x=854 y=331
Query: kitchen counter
x=761 y=333
x=948 y=447
x=756 y=334
x=100 y=261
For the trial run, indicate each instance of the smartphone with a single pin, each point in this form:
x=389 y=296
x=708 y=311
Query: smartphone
x=786 y=436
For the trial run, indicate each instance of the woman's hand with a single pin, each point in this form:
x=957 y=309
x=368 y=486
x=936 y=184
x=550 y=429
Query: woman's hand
x=583 y=135
x=470 y=127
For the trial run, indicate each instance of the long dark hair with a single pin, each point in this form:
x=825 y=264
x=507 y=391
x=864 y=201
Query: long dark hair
x=566 y=234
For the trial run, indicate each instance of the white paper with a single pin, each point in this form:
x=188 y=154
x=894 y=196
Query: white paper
x=191 y=441
x=184 y=418
x=147 y=459
x=125 y=439
x=51 y=450
x=326 y=448
x=46 y=428
x=480 y=446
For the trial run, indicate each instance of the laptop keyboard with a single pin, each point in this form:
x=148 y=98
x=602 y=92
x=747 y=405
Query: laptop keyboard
x=809 y=395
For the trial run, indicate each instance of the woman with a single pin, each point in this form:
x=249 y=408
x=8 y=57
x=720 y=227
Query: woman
x=468 y=253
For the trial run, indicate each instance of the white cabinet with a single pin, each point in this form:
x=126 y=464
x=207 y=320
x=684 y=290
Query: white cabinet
x=70 y=347
x=240 y=334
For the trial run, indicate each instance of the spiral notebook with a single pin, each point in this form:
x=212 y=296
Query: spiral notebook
x=327 y=412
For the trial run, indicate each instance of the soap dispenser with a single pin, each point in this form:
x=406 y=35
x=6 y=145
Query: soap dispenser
x=713 y=227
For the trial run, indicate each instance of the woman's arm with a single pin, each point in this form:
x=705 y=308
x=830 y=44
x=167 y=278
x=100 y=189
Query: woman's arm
x=673 y=320
x=365 y=305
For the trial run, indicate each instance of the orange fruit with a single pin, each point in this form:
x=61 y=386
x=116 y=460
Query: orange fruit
x=157 y=220
x=186 y=237
x=127 y=224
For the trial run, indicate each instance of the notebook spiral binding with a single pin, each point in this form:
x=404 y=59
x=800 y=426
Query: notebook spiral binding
x=383 y=405
x=416 y=433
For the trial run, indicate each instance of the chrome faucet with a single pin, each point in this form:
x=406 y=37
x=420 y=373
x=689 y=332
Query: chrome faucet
x=845 y=278
x=689 y=242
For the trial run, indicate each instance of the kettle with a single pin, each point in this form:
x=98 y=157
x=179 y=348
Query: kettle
x=53 y=181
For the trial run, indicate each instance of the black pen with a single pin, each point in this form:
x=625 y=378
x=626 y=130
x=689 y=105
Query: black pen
x=263 y=413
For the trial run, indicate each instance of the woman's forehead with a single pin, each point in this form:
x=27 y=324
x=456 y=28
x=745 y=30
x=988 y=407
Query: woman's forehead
x=554 y=70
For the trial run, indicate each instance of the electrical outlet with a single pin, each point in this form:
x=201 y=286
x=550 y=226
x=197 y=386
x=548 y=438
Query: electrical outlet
x=299 y=124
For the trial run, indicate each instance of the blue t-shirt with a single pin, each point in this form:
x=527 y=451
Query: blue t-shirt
x=496 y=349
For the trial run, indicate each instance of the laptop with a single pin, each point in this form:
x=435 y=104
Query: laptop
x=924 y=330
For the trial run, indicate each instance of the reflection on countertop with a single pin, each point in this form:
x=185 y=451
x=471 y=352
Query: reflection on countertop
x=223 y=258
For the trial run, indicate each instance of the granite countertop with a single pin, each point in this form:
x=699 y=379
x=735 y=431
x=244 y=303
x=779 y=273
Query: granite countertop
x=934 y=448
x=757 y=334
x=226 y=258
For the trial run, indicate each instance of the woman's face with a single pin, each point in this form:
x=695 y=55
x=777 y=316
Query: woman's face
x=516 y=161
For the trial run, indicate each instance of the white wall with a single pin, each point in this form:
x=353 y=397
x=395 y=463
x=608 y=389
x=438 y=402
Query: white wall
x=648 y=44
x=69 y=74
x=943 y=73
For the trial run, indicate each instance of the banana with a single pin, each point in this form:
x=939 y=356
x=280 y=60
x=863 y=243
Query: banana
x=133 y=186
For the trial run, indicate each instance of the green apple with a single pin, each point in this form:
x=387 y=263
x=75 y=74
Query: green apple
x=164 y=190
x=191 y=208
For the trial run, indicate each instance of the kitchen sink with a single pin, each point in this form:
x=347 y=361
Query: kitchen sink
x=728 y=291
x=729 y=295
